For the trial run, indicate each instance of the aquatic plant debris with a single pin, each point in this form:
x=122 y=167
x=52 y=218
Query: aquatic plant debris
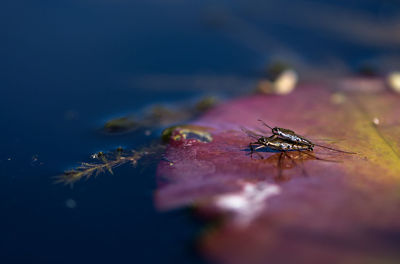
x=339 y=212
x=106 y=162
x=183 y=132
x=159 y=116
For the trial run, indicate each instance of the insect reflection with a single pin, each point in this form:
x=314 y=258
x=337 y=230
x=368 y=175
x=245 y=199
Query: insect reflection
x=288 y=160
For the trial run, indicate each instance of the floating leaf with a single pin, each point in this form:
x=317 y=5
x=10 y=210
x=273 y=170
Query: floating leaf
x=315 y=211
x=159 y=116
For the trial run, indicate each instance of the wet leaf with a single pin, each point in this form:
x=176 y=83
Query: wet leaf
x=308 y=210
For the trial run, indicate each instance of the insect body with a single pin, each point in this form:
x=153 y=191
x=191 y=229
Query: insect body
x=280 y=144
x=292 y=136
x=289 y=135
x=274 y=143
x=283 y=141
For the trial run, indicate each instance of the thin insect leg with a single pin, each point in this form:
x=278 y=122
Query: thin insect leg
x=295 y=164
x=272 y=137
x=253 y=150
x=280 y=165
x=326 y=153
x=262 y=146
x=265 y=124
x=338 y=150
x=317 y=158
x=326 y=139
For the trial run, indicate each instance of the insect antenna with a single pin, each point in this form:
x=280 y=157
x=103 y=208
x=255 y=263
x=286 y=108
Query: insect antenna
x=265 y=124
x=337 y=150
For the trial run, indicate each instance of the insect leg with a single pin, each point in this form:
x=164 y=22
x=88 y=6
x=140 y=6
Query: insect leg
x=272 y=137
x=337 y=150
x=253 y=150
x=261 y=146
x=317 y=158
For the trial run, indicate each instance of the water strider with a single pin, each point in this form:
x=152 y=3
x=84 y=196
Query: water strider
x=291 y=136
x=283 y=141
x=276 y=144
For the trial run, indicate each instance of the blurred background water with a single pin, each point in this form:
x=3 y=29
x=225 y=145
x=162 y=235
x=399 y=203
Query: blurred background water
x=69 y=66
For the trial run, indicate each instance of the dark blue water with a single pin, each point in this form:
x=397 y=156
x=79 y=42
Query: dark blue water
x=68 y=66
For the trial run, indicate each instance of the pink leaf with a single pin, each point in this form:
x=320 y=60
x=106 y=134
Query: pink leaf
x=316 y=211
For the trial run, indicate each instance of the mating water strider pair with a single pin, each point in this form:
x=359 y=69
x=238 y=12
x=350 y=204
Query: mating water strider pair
x=284 y=140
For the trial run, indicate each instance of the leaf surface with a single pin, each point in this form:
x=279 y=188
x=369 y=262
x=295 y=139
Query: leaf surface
x=307 y=210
